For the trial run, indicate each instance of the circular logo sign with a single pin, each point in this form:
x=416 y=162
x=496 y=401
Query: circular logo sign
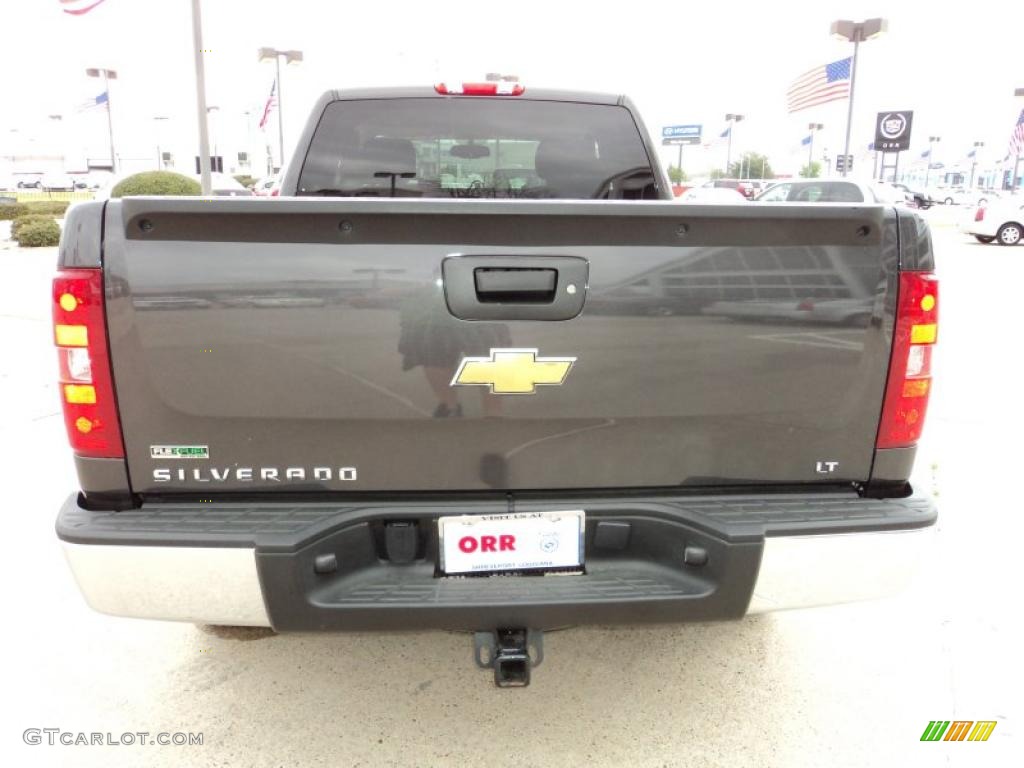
x=549 y=542
x=893 y=125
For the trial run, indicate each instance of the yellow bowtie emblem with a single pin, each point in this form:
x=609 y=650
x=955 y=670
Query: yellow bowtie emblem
x=513 y=371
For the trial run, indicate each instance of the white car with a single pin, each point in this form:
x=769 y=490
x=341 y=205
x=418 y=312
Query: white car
x=1002 y=221
x=265 y=186
x=829 y=191
x=223 y=185
x=720 y=195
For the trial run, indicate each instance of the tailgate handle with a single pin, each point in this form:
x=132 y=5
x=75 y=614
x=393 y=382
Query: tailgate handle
x=515 y=285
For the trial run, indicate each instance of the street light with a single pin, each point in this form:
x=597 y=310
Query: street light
x=931 y=156
x=856 y=33
x=159 y=155
x=812 y=127
x=974 y=160
x=107 y=75
x=732 y=120
x=290 y=57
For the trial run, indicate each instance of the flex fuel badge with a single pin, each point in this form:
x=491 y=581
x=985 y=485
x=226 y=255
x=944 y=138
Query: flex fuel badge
x=179 y=452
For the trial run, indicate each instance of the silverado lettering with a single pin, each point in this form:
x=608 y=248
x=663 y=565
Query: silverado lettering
x=213 y=474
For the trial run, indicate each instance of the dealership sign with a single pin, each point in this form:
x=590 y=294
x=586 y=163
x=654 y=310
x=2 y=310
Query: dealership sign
x=681 y=134
x=892 y=131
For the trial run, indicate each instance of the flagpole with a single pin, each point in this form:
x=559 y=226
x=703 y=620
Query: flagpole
x=204 y=134
x=849 y=110
x=110 y=125
x=280 y=115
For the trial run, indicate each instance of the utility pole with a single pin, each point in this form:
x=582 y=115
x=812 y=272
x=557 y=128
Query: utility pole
x=159 y=154
x=974 y=160
x=812 y=127
x=732 y=120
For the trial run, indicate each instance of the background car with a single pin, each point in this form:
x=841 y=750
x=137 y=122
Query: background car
x=1000 y=221
x=57 y=182
x=829 y=191
x=223 y=185
x=29 y=180
x=263 y=187
x=743 y=186
x=724 y=195
x=915 y=197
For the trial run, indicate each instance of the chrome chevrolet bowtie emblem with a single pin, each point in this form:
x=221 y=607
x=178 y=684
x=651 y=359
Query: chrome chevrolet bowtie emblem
x=512 y=371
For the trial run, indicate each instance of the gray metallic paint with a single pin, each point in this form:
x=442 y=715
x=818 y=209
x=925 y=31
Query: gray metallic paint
x=303 y=324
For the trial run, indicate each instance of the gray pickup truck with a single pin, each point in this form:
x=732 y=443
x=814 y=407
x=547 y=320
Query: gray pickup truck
x=460 y=376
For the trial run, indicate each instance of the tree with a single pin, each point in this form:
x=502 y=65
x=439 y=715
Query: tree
x=677 y=175
x=156 y=183
x=752 y=165
x=717 y=173
x=812 y=170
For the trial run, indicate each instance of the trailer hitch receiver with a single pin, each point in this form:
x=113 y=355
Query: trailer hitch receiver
x=511 y=653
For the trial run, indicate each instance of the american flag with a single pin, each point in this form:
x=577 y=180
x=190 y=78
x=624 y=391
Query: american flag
x=1017 y=137
x=269 y=106
x=78 y=7
x=102 y=99
x=720 y=140
x=829 y=82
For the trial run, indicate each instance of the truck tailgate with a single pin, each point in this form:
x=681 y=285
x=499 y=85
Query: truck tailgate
x=309 y=345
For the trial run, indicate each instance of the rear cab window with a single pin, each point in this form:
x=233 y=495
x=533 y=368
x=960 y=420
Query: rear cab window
x=477 y=147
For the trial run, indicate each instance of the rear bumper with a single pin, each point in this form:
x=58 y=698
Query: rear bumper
x=256 y=564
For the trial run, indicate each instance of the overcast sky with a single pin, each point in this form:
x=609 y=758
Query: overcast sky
x=682 y=62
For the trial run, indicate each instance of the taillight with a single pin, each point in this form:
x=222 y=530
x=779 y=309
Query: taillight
x=807 y=305
x=502 y=88
x=86 y=386
x=910 y=369
x=979 y=215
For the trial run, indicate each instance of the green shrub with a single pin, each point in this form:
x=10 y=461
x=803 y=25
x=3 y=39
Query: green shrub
x=38 y=233
x=28 y=218
x=246 y=180
x=156 y=183
x=12 y=211
x=47 y=207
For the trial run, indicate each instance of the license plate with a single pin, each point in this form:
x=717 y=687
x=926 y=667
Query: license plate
x=523 y=541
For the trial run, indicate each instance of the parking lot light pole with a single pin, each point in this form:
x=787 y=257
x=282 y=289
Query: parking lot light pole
x=205 y=182
x=974 y=160
x=932 y=140
x=732 y=120
x=812 y=127
x=107 y=75
x=856 y=33
x=290 y=57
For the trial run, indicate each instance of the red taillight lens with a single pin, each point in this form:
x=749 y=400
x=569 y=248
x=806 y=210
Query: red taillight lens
x=979 y=215
x=86 y=386
x=910 y=369
x=503 y=88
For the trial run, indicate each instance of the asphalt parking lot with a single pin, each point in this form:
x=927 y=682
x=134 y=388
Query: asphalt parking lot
x=848 y=685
